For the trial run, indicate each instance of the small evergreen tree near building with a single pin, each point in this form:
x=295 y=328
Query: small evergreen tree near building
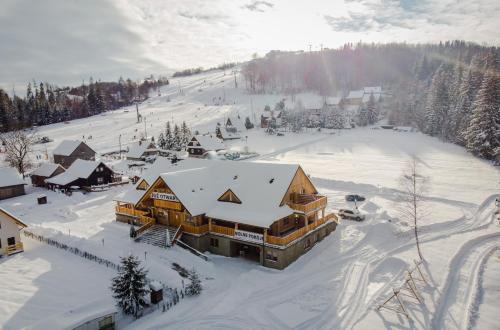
x=372 y=111
x=194 y=288
x=129 y=286
x=248 y=123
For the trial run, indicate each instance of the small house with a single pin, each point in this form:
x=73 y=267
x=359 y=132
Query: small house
x=11 y=183
x=200 y=145
x=70 y=150
x=140 y=150
x=44 y=172
x=10 y=239
x=82 y=173
x=355 y=97
x=270 y=118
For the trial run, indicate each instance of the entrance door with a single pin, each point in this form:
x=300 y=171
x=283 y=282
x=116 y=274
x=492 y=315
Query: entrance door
x=246 y=251
x=11 y=241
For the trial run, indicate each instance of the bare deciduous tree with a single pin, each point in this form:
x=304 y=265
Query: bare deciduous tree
x=413 y=185
x=18 y=146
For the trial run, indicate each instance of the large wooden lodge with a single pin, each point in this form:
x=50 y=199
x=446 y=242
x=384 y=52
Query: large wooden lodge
x=271 y=213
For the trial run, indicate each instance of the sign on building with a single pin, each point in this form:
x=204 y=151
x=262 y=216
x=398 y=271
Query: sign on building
x=249 y=236
x=164 y=196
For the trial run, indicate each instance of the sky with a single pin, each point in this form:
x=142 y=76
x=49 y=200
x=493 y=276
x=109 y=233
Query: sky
x=69 y=41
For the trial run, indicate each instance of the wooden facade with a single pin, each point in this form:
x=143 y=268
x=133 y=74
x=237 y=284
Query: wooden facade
x=39 y=180
x=12 y=191
x=301 y=196
x=83 y=151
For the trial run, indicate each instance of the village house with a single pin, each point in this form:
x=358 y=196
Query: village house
x=10 y=238
x=270 y=118
x=82 y=173
x=44 y=172
x=140 y=150
x=230 y=131
x=269 y=213
x=70 y=150
x=201 y=145
x=11 y=183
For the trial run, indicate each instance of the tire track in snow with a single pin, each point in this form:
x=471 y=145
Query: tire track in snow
x=454 y=300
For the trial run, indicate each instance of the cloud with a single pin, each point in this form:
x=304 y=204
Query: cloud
x=260 y=6
x=68 y=41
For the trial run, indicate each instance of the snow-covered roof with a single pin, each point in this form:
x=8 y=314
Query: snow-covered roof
x=66 y=147
x=229 y=135
x=138 y=149
x=80 y=169
x=355 y=94
x=373 y=89
x=13 y=218
x=75 y=317
x=46 y=169
x=259 y=186
x=161 y=165
x=209 y=142
x=333 y=100
x=9 y=177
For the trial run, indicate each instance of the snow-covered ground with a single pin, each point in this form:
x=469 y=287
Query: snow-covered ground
x=338 y=284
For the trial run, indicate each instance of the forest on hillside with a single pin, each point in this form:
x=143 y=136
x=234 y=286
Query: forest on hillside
x=450 y=90
x=45 y=104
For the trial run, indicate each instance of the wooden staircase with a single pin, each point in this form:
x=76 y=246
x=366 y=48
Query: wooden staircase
x=158 y=235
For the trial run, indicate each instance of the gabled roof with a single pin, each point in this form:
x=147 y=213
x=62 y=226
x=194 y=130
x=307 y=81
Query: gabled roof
x=260 y=187
x=333 y=100
x=355 y=94
x=46 y=169
x=9 y=177
x=137 y=149
x=209 y=142
x=229 y=135
x=67 y=147
x=373 y=89
x=13 y=218
x=80 y=169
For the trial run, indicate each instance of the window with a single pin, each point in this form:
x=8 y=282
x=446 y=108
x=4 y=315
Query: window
x=106 y=323
x=286 y=221
x=271 y=256
x=100 y=180
x=214 y=242
x=11 y=241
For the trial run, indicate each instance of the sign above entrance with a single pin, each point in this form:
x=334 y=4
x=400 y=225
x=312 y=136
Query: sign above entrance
x=249 y=236
x=164 y=196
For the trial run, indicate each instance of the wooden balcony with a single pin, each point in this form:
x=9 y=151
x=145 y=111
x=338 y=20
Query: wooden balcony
x=197 y=230
x=18 y=247
x=129 y=211
x=308 y=203
x=222 y=230
x=284 y=240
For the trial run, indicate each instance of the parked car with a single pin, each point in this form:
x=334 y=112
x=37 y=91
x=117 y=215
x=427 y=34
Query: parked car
x=351 y=215
x=354 y=198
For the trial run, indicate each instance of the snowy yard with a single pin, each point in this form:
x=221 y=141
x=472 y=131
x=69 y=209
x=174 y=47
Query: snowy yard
x=337 y=284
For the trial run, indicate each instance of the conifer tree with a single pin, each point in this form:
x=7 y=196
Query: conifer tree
x=161 y=141
x=194 y=288
x=4 y=111
x=363 y=116
x=169 y=139
x=129 y=286
x=185 y=135
x=438 y=104
x=177 y=138
x=483 y=134
x=372 y=111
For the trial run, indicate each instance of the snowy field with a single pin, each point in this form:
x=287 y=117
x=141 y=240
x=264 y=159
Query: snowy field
x=338 y=284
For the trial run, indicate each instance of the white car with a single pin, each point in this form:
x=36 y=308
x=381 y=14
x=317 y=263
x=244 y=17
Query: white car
x=351 y=214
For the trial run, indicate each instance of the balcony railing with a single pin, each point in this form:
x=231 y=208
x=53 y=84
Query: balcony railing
x=18 y=247
x=198 y=230
x=129 y=211
x=305 y=207
x=284 y=240
x=222 y=230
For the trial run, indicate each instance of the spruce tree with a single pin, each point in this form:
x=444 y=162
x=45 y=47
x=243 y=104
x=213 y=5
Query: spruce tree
x=483 y=134
x=363 y=116
x=129 y=286
x=169 y=139
x=372 y=111
x=438 y=104
x=4 y=111
x=185 y=135
x=177 y=138
x=248 y=123
x=161 y=141
x=194 y=288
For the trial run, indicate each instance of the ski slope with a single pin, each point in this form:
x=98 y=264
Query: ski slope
x=336 y=285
